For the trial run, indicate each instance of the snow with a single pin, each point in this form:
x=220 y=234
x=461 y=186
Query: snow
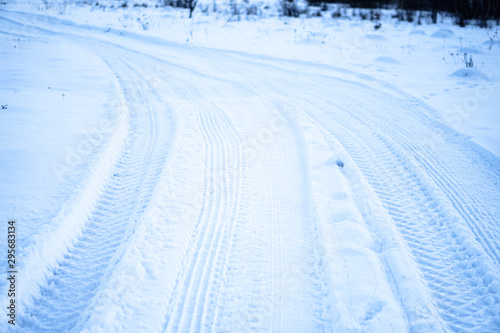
x=55 y=105
x=428 y=53
x=251 y=173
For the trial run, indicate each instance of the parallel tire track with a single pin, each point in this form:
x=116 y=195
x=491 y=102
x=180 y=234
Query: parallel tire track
x=463 y=202
x=452 y=265
x=448 y=223
x=192 y=304
x=75 y=282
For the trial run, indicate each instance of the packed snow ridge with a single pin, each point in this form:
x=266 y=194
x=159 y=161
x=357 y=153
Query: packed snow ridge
x=265 y=174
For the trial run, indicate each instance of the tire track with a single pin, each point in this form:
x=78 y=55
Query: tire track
x=235 y=181
x=481 y=224
x=198 y=284
x=465 y=203
x=460 y=198
x=228 y=217
x=431 y=207
x=423 y=221
x=347 y=222
x=74 y=283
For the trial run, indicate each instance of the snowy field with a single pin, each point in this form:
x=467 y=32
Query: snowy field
x=249 y=173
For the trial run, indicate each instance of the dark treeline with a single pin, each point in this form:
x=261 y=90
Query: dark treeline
x=464 y=10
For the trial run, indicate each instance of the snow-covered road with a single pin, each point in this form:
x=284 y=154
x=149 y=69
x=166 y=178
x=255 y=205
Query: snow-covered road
x=240 y=192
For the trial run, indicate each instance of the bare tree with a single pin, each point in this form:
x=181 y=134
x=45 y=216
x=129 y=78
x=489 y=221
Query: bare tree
x=189 y=4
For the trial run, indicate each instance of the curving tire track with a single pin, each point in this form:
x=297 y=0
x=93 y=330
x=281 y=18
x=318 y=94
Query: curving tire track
x=439 y=195
x=70 y=289
x=191 y=307
x=453 y=265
